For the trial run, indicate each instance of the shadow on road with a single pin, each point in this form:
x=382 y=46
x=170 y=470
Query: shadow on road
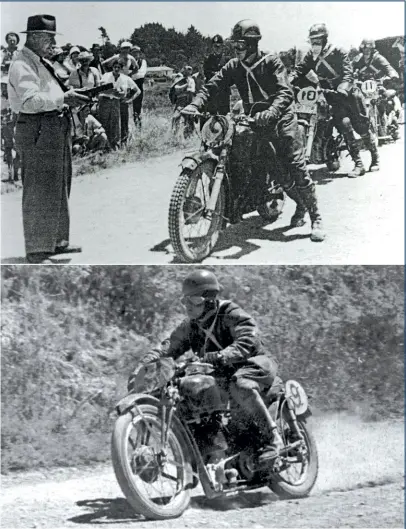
x=237 y=237
x=106 y=510
x=117 y=509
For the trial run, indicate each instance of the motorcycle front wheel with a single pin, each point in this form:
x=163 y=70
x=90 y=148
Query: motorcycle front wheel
x=300 y=476
x=153 y=481
x=193 y=230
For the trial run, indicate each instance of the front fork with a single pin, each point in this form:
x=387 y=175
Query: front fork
x=218 y=180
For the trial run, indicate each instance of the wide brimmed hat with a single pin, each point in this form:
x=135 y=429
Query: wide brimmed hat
x=135 y=48
x=12 y=33
x=41 y=24
x=126 y=44
x=74 y=49
x=85 y=56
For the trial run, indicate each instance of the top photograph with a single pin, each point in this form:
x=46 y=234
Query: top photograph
x=202 y=132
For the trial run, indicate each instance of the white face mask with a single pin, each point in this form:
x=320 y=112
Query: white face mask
x=316 y=49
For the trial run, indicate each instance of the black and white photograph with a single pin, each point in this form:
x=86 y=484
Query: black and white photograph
x=203 y=132
x=202 y=264
x=179 y=396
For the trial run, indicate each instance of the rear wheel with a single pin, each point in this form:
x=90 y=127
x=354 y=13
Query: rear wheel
x=192 y=229
x=152 y=481
x=300 y=474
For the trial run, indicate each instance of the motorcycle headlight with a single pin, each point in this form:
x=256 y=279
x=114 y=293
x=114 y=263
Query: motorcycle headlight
x=216 y=131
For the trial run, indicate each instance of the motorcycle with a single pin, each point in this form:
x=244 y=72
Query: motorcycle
x=160 y=448
x=232 y=174
x=381 y=110
x=323 y=143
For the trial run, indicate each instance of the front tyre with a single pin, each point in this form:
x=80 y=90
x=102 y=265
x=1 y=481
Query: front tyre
x=299 y=478
x=193 y=230
x=152 y=482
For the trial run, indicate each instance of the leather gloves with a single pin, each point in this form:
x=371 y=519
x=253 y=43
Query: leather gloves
x=266 y=118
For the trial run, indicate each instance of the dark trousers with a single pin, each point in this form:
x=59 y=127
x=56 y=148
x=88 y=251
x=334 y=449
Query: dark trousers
x=43 y=142
x=350 y=107
x=109 y=117
x=137 y=103
x=124 y=115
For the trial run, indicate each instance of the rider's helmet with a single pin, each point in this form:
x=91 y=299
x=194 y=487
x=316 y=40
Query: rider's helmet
x=246 y=30
x=201 y=283
x=367 y=44
x=317 y=31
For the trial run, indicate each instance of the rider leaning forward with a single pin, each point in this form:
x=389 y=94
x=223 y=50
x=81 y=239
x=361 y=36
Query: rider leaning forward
x=221 y=333
x=260 y=77
x=334 y=70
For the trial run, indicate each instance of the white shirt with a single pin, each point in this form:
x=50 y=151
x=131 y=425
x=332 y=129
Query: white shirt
x=123 y=84
x=31 y=87
x=129 y=65
x=142 y=69
x=78 y=78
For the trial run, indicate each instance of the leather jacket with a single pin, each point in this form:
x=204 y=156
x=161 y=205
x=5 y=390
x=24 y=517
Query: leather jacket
x=232 y=328
x=332 y=67
x=376 y=68
x=265 y=80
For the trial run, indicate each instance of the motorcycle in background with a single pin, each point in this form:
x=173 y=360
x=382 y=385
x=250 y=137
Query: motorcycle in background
x=323 y=143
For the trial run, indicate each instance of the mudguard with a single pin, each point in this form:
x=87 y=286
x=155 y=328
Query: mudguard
x=191 y=161
x=139 y=398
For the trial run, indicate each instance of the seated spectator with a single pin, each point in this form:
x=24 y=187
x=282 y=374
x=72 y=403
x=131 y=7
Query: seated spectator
x=57 y=62
x=90 y=135
x=113 y=105
x=12 y=40
x=85 y=76
x=72 y=63
x=128 y=62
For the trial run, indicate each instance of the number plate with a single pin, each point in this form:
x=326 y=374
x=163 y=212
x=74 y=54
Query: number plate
x=369 y=88
x=297 y=396
x=307 y=101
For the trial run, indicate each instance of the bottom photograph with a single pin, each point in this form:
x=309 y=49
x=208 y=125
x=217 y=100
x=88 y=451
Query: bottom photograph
x=186 y=396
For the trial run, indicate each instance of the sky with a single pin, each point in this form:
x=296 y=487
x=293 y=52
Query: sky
x=283 y=24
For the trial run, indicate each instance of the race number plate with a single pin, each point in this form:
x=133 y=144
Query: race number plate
x=307 y=101
x=369 y=87
x=297 y=396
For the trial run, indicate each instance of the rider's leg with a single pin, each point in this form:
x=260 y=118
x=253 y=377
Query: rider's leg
x=301 y=188
x=361 y=124
x=353 y=148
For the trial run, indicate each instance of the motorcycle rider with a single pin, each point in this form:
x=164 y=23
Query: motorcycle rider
x=211 y=65
x=370 y=64
x=260 y=77
x=333 y=68
x=223 y=334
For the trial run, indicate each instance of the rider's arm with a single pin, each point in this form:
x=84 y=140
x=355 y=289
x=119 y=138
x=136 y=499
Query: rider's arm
x=174 y=346
x=245 y=333
x=302 y=69
x=385 y=67
x=219 y=83
x=284 y=92
x=347 y=80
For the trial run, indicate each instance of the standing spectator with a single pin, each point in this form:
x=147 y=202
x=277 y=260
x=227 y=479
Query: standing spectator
x=211 y=65
x=138 y=77
x=181 y=94
x=72 y=63
x=113 y=105
x=97 y=61
x=58 y=59
x=12 y=40
x=90 y=135
x=43 y=141
x=127 y=60
x=85 y=76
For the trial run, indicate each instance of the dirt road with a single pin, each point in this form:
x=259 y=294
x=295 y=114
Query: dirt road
x=360 y=484
x=120 y=216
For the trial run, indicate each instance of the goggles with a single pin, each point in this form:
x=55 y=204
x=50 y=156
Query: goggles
x=240 y=45
x=196 y=301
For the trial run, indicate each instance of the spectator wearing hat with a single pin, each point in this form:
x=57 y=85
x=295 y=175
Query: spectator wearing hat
x=138 y=77
x=85 y=76
x=211 y=65
x=71 y=62
x=43 y=141
x=97 y=61
x=113 y=105
x=12 y=40
x=127 y=60
x=58 y=58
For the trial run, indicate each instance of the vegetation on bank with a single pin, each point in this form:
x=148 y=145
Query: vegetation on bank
x=71 y=336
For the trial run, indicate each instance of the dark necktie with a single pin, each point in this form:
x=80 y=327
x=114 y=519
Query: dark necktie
x=52 y=72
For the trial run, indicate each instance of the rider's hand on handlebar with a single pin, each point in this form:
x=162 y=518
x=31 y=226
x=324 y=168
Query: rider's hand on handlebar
x=265 y=118
x=214 y=358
